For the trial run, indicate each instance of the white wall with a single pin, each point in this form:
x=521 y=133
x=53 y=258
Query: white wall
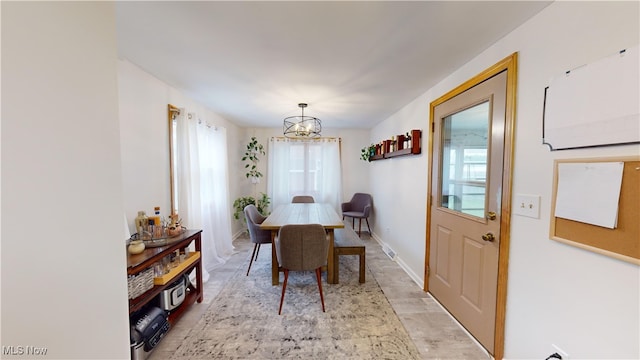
x=399 y=190
x=63 y=256
x=145 y=138
x=585 y=303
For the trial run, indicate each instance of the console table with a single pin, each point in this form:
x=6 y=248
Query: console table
x=145 y=260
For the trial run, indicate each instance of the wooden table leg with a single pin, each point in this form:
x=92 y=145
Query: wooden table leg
x=199 y=288
x=330 y=260
x=275 y=274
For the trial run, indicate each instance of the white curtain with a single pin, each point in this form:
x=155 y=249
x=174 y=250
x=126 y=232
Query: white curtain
x=304 y=167
x=203 y=186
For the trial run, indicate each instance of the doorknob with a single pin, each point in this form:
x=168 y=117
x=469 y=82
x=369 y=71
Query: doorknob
x=491 y=215
x=488 y=237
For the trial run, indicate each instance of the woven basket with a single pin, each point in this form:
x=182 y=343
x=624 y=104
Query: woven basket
x=140 y=283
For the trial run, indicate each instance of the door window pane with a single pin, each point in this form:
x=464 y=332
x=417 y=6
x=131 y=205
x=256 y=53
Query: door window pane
x=464 y=147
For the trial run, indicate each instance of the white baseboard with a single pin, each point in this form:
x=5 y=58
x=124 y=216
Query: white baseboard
x=419 y=280
x=238 y=234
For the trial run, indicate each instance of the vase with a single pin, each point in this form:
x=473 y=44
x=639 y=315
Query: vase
x=136 y=247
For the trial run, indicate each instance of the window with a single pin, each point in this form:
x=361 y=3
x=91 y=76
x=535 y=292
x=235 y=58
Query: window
x=304 y=167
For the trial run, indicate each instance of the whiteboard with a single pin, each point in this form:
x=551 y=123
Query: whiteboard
x=597 y=104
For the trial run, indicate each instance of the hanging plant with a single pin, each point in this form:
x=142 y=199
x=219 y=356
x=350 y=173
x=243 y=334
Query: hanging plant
x=254 y=148
x=367 y=152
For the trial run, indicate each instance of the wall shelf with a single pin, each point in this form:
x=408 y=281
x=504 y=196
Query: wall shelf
x=384 y=150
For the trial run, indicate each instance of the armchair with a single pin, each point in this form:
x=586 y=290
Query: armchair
x=358 y=208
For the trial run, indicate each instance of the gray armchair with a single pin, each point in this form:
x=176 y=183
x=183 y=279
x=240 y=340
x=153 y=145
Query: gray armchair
x=257 y=235
x=302 y=199
x=359 y=208
x=302 y=248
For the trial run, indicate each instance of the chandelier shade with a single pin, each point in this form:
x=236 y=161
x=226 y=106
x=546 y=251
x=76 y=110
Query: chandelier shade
x=302 y=126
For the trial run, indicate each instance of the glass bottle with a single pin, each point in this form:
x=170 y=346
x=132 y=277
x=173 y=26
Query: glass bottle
x=156 y=217
x=141 y=223
x=147 y=232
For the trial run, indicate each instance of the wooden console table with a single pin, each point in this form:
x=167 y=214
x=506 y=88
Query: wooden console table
x=150 y=256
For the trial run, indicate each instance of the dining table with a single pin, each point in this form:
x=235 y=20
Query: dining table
x=302 y=213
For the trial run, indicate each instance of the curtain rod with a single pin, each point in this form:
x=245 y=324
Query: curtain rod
x=307 y=139
x=173 y=111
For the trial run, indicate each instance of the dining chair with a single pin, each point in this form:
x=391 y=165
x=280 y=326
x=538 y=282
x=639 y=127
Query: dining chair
x=303 y=199
x=257 y=235
x=359 y=207
x=302 y=247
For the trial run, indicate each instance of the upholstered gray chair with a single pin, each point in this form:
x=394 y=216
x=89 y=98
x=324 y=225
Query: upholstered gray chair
x=303 y=199
x=358 y=208
x=257 y=235
x=302 y=247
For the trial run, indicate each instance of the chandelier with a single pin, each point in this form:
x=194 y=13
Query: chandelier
x=302 y=126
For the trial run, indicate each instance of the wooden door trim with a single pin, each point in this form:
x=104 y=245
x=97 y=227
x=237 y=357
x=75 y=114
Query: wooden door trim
x=508 y=64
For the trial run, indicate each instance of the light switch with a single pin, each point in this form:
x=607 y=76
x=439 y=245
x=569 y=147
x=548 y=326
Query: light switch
x=527 y=205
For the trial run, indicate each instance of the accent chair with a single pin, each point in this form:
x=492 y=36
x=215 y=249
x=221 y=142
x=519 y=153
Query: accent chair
x=359 y=207
x=302 y=247
x=303 y=199
x=257 y=235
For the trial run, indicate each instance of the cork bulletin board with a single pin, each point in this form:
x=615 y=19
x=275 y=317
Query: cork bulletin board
x=623 y=240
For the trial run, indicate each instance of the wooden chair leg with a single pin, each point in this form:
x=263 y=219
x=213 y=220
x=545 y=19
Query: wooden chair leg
x=257 y=252
x=359 y=226
x=284 y=287
x=253 y=254
x=368 y=227
x=319 y=279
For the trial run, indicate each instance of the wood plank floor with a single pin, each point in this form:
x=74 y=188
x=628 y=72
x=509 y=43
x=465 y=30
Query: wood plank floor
x=435 y=333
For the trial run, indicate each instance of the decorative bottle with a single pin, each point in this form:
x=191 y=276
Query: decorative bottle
x=141 y=223
x=156 y=216
x=157 y=220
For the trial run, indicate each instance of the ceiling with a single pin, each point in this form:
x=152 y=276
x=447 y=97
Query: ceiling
x=354 y=63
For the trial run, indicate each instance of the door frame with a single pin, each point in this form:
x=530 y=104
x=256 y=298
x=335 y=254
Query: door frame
x=508 y=64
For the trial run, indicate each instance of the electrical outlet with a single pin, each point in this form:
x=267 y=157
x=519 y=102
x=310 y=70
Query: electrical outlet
x=527 y=205
x=560 y=352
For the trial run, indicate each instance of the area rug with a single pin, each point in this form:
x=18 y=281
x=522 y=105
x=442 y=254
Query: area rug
x=242 y=322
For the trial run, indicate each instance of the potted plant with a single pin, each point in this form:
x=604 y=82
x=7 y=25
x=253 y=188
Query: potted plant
x=262 y=203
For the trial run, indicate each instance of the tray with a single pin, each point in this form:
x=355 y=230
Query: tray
x=163 y=240
x=168 y=277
